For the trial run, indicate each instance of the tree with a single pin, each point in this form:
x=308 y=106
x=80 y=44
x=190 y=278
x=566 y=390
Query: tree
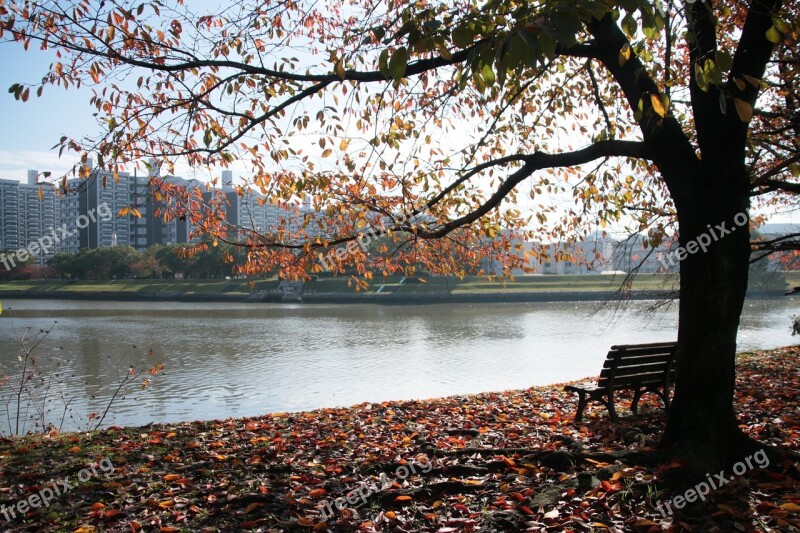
x=431 y=118
x=63 y=265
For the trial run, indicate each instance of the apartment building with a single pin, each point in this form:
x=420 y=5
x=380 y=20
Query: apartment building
x=86 y=216
x=9 y=215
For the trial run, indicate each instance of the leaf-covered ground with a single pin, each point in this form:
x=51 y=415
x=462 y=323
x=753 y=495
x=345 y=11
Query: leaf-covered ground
x=509 y=461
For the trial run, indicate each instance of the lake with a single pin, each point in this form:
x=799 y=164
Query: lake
x=231 y=360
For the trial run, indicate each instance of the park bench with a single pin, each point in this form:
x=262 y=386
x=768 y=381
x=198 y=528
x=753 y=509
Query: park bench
x=638 y=367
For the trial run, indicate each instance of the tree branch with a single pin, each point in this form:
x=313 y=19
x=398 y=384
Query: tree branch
x=538 y=161
x=751 y=57
x=705 y=97
x=668 y=146
x=772 y=185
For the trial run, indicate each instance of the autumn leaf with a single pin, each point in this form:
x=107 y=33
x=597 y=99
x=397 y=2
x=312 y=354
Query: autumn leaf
x=744 y=110
x=773 y=36
x=624 y=54
x=658 y=105
x=252 y=507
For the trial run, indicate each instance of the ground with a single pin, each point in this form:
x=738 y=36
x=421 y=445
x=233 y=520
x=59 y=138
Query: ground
x=506 y=461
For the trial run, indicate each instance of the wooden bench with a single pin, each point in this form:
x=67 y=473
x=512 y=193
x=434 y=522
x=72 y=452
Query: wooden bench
x=638 y=367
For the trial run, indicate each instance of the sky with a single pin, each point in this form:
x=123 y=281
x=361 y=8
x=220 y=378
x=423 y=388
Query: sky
x=30 y=129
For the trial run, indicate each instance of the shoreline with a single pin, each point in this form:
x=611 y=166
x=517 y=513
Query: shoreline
x=389 y=298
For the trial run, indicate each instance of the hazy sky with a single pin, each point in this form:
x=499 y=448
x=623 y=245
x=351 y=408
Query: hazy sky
x=31 y=128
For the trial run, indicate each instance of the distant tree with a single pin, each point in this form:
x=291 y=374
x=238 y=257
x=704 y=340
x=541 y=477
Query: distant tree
x=148 y=265
x=172 y=262
x=64 y=265
x=214 y=261
x=13 y=268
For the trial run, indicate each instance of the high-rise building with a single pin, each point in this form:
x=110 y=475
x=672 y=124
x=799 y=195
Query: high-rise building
x=87 y=214
x=9 y=215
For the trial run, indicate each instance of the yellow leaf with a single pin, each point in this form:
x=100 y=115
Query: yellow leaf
x=343 y=144
x=624 y=54
x=773 y=36
x=744 y=110
x=658 y=105
x=339 y=67
x=791 y=507
x=326 y=152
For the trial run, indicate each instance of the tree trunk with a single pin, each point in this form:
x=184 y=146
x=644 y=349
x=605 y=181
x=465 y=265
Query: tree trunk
x=702 y=426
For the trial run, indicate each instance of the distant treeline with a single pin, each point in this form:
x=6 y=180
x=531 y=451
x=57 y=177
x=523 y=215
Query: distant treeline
x=125 y=262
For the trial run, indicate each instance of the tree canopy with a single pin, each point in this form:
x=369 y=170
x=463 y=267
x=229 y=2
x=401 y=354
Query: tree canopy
x=374 y=109
x=459 y=129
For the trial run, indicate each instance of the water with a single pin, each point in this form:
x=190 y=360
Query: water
x=230 y=360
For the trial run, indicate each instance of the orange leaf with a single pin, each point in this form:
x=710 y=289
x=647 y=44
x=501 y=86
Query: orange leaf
x=316 y=493
x=744 y=110
x=403 y=498
x=252 y=507
x=172 y=477
x=74 y=449
x=791 y=507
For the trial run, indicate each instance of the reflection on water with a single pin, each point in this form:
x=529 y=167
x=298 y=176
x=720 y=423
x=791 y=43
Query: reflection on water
x=225 y=360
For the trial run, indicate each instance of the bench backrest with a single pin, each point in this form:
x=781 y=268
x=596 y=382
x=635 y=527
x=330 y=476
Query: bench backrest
x=638 y=365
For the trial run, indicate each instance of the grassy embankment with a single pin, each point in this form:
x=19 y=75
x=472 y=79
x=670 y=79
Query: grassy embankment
x=342 y=285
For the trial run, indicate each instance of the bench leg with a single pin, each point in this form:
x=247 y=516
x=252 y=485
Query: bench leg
x=611 y=411
x=637 y=395
x=581 y=406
